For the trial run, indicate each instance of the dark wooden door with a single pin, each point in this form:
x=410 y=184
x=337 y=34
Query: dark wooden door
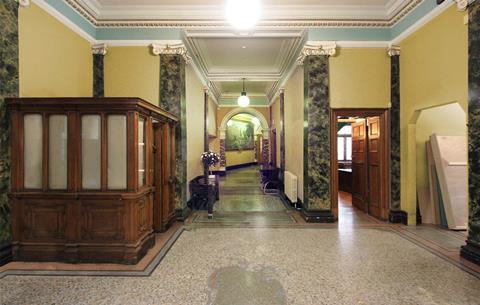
x=375 y=147
x=359 y=165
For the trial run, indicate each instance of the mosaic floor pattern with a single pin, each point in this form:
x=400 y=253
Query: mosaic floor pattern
x=269 y=266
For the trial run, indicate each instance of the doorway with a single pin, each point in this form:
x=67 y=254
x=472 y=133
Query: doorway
x=360 y=141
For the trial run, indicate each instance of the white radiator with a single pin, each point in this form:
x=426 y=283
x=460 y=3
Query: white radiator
x=291 y=186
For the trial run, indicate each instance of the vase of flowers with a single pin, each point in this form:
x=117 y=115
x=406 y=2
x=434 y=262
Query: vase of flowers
x=209 y=158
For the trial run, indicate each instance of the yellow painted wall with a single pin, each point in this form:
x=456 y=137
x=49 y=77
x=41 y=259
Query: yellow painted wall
x=360 y=78
x=212 y=117
x=276 y=121
x=195 y=124
x=132 y=72
x=54 y=60
x=433 y=71
x=240 y=157
x=294 y=127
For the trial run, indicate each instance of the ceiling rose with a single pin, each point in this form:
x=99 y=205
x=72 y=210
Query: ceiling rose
x=243 y=14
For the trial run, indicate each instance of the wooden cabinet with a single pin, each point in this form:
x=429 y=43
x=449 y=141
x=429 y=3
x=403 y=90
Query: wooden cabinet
x=88 y=178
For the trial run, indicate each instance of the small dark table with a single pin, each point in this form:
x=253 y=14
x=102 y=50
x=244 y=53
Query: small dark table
x=202 y=195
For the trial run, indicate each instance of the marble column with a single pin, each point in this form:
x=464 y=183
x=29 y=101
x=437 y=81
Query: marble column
x=173 y=60
x=205 y=128
x=471 y=250
x=396 y=215
x=317 y=205
x=8 y=88
x=282 y=136
x=223 y=158
x=99 y=51
x=265 y=150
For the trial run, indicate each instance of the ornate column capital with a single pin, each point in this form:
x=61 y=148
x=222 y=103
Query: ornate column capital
x=462 y=4
x=100 y=49
x=166 y=49
x=314 y=48
x=281 y=90
x=24 y=3
x=206 y=90
x=222 y=133
x=393 y=51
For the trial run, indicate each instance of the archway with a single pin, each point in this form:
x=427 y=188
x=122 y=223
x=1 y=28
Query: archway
x=222 y=130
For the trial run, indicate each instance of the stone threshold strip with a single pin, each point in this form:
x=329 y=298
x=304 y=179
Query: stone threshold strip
x=143 y=269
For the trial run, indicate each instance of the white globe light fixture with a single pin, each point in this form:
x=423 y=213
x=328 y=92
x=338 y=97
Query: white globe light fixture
x=243 y=100
x=243 y=14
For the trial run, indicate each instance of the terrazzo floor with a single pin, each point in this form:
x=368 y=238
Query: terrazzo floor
x=358 y=261
x=269 y=266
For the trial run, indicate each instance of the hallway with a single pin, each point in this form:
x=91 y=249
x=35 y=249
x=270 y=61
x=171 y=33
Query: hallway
x=240 y=192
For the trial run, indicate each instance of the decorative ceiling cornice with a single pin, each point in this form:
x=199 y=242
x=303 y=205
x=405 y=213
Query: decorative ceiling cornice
x=165 y=49
x=399 y=10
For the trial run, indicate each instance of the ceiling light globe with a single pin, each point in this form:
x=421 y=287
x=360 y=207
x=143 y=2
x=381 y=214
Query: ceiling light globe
x=243 y=101
x=243 y=14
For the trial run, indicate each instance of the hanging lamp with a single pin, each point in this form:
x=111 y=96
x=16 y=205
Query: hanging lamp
x=243 y=99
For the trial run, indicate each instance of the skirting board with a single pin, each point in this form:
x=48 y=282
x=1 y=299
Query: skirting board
x=318 y=216
x=241 y=165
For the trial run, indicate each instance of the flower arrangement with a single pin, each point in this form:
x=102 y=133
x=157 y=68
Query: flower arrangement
x=210 y=158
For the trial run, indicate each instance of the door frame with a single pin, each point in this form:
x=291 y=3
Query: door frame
x=384 y=114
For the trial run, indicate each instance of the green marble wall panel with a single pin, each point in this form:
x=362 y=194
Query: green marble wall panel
x=172 y=99
x=8 y=88
x=395 y=133
x=98 y=76
x=316 y=134
x=472 y=250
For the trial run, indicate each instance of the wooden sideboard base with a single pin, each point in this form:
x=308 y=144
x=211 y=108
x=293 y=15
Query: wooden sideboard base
x=129 y=254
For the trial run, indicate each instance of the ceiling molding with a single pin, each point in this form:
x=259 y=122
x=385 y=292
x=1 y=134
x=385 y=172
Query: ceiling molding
x=275 y=16
x=422 y=21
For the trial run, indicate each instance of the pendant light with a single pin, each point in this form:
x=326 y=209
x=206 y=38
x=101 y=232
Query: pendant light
x=243 y=100
x=243 y=14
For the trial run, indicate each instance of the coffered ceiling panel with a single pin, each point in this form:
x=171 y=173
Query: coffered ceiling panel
x=230 y=56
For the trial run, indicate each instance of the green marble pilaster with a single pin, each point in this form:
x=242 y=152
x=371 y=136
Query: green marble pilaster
x=471 y=250
x=317 y=199
x=98 y=76
x=396 y=215
x=172 y=99
x=8 y=88
x=99 y=51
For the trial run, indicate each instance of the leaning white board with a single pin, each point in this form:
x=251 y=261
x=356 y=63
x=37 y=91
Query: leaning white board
x=432 y=178
x=450 y=155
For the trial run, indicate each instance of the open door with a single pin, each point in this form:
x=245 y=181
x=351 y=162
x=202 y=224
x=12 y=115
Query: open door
x=359 y=165
x=375 y=147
